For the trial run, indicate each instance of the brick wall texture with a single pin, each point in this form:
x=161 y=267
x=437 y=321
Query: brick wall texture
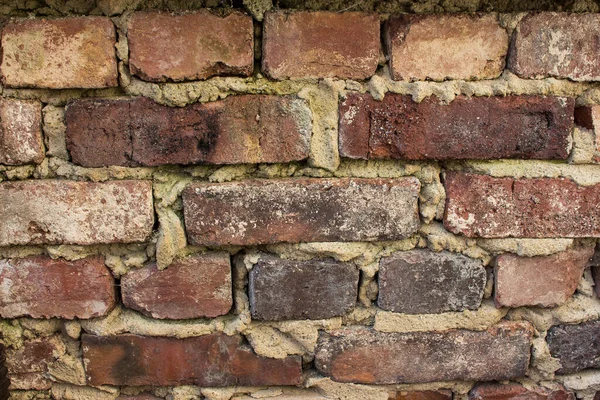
x=230 y=200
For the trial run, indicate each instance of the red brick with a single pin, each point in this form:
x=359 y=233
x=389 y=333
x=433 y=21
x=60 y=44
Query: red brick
x=192 y=287
x=423 y=395
x=544 y=281
x=59 y=53
x=494 y=391
x=589 y=117
x=289 y=289
x=439 y=47
x=557 y=44
x=300 y=210
x=320 y=44
x=64 y=212
x=213 y=360
x=426 y=282
x=21 y=132
x=367 y=356
x=28 y=365
x=197 y=45
x=529 y=127
x=41 y=287
x=239 y=129
x=483 y=206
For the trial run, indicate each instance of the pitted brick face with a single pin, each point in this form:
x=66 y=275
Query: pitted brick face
x=21 y=132
x=301 y=210
x=28 y=365
x=370 y=357
x=140 y=132
x=528 y=127
x=565 y=343
x=440 y=47
x=41 y=287
x=77 y=52
x=214 y=360
x=165 y=47
x=494 y=391
x=562 y=45
x=320 y=44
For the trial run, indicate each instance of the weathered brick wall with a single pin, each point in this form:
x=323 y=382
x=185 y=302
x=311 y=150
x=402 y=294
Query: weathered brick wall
x=300 y=200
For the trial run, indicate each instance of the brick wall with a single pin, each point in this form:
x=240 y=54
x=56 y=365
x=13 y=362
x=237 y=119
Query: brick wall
x=300 y=200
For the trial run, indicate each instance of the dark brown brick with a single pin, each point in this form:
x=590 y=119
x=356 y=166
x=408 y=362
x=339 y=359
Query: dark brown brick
x=367 y=356
x=44 y=288
x=66 y=212
x=192 y=287
x=438 y=47
x=543 y=281
x=425 y=282
x=423 y=395
x=320 y=44
x=483 y=206
x=301 y=210
x=21 y=132
x=28 y=365
x=494 y=391
x=557 y=44
x=60 y=53
x=160 y=49
x=287 y=289
x=140 y=132
x=529 y=127
x=577 y=347
x=215 y=360
x=594 y=265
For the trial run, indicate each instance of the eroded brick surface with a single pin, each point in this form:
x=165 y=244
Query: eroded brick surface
x=67 y=212
x=301 y=210
x=589 y=118
x=208 y=45
x=28 y=365
x=576 y=346
x=545 y=281
x=366 y=356
x=62 y=53
x=529 y=127
x=320 y=44
x=557 y=44
x=41 y=287
x=439 y=47
x=288 y=289
x=239 y=129
x=20 y=132
x=494 y=391
x=423 y=395
x=192 y=287
x=425 y=282
x=214 y=360
x=483 y=206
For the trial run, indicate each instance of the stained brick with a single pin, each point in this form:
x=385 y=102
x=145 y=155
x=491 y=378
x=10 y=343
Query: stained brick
x=209 y=45
x=545 y=281
x=239 y=129
x=20 y=132
x=367 y=356
x=287 y=289
x=425 y=282
x=442 y=47
x=59 y=53
x=41 y=287
x=494 y=391
x=483 y=206
x=557 y=44
x=212 y=360
x=320 y=44
x=57 y=212
x=28 y=365
x=589 y=117
x=192 y=287
x=529 y=127
x=423 y=395
x=301 y=210
x=576 y=346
